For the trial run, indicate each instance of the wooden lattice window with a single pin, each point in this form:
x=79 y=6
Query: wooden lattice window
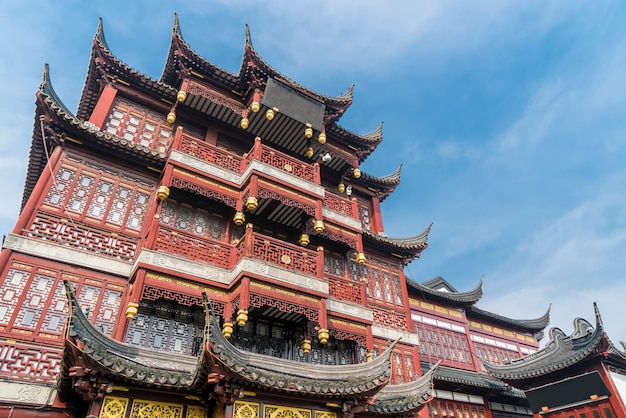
x=365 y=215
x=383 y=282
x=142 y=126
x=601 y=409
x=34 y=303
x=168 y=326
x=442 y=344
x=448 y=409
x=334 y=264
x=98 y=195
x=402 y=363
x=193 y=220
x=493 y=354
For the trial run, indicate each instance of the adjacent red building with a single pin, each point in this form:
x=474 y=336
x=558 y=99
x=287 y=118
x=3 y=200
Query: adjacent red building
x=206 y=244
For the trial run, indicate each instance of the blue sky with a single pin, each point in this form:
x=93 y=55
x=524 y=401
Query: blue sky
x=509 y=119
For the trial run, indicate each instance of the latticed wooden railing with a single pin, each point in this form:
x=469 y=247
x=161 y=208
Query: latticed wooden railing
x=340 y=204
x=344 y=289
x=252 y=245
x=237 y=164
x=80 y=236
x=194 y=247
x=210 y=154
x=285 y=162
x=281 y=253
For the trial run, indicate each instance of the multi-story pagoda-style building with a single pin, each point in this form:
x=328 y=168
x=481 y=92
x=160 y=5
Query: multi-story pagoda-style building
x=240 y=187
x=207 y=245
x=580 y=375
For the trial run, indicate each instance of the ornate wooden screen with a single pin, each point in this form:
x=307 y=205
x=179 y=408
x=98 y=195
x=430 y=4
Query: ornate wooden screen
x=142 y=126
x=168 y=326
x=441 y=344
x=448 y=409
x=34 y=303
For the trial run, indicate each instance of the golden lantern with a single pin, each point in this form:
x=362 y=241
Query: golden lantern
x=269 y=115
x=181 y=96
x=255 y=106
x=360 y=258
x=356 y=173
x=162 y=192
x=309 y=152
x=239 y=218
x=308 y=131
x=306 y=346
x=242 y=317
x=318 y=225
x=304 y=240
x=322 y=334
x=321 y=138
x=244 y=123
x=131 y=310
x=369 y=356
x=252 y=203
x=227 y=329
x=171 y=117
x=341 y=187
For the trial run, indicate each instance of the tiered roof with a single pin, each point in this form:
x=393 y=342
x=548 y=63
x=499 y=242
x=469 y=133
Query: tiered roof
x=87 y=350
x=585 y=343
x=469 y=297
x=407 y=249
x=59 y=123
x=104 y=67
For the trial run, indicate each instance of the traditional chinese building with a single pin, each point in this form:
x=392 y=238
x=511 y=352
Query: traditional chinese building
x=580 y=375
x=452 y=330
x=241 y=187
x=206 y=244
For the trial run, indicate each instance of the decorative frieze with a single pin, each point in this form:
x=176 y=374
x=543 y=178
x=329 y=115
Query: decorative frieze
x=64 y=254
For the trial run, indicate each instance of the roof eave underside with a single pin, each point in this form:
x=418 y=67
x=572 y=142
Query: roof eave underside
x=127 y=362
x=406 y=248
x=465 y=298
x=253 y=63
x=529 y=325
x=472 y=379
x=104 y=67
x=54 y=114
x=357 y=380
x=560 y=353
x=404 y=398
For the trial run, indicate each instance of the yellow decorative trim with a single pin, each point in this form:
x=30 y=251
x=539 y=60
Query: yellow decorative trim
x=149 y=409
x=194 y=411
x=427 y=305
x=327 y=414
x=276 y=411
x=219 y=411
x=113 y=407
x=243 y=409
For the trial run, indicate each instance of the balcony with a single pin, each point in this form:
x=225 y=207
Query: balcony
x=257 y=247
x=274 y=165
x=252 y=245
x=237 y=164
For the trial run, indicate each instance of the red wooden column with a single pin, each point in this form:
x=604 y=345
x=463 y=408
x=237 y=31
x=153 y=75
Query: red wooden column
x=46 y=180
x=131 y=301
x=320 y=263
x=617 y=403
x=244 y=301
x=378 y=219
x=405 y=299
x=103 y=107
x=322 y=333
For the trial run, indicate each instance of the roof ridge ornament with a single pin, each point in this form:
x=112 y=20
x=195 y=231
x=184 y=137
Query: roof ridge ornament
x=99 y=37
x=176 y=27
x=248 y=37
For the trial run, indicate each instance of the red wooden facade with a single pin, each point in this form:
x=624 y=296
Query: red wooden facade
x=156 y=191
